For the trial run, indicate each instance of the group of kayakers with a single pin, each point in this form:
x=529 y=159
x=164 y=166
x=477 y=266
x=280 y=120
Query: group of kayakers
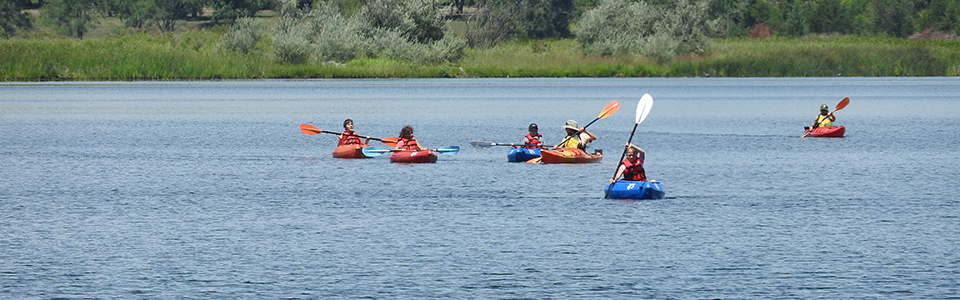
x=406 y=139
x=631 y=167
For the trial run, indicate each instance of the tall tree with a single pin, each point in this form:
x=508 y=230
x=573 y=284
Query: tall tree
x=71 y=17
x=12 y=17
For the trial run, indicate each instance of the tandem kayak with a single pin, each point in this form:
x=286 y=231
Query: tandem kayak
x=569 y=156
x=636 y=190
x=413 y=156
x=349 y=151
x=826 y=132
x=522 y=154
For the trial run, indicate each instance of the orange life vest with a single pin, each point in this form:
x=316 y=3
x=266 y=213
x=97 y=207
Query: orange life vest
x=634 y=171
x=408 y=144
x=349 y=138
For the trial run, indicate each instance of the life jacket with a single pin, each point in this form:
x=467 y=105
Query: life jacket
x=349 y=138
x=573 y=142
x=534 y=140
x=824 y=121
x=408 y=144
x=634 y=171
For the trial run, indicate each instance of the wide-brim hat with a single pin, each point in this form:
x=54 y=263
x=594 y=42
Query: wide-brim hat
x=571 y=124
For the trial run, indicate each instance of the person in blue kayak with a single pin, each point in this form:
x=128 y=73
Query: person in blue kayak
x=533 y=139
x=825 y=118
x=407 y=141
x=631 y=168
x=349 y=137
x=577 y=137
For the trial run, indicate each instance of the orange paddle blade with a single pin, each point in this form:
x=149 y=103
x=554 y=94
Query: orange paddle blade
x=535 y=160
x=390 y=141
x=610 y=109
x=309 y=129
x=843 y=103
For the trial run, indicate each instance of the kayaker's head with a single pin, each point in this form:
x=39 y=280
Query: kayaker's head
x=533 y=128
x=824 y=109
x=406 y=132
x=348 y=125
x=571 y=127
x=631 y=153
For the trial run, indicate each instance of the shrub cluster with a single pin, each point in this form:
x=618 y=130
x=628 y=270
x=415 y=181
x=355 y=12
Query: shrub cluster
x=411 y=31
x=618 y=26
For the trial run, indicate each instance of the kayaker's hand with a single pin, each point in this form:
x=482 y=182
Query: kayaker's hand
x=612 y=181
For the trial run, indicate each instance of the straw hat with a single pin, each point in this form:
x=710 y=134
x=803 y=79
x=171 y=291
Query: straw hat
x=571 y=124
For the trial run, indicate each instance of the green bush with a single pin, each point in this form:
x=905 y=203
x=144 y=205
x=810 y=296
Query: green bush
x=617 y=26
x=243 y=35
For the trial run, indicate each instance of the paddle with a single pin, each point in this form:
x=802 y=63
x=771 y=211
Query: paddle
x=843 y=103
x=606 y=112
x=374 y=151
x=484 y=144
x=643 y=108
x=310 y=129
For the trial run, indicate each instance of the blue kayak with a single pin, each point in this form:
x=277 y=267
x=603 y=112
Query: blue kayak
x=522 y=154
x=637 y=190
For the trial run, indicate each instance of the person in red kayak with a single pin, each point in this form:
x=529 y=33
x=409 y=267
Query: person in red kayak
x=533 y=139
x=349 y=137
x=631 y=168
x=407 y=141
x=825 y=118
x=577 y=137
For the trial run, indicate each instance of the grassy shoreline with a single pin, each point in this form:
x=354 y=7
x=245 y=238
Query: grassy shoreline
x=193 y=55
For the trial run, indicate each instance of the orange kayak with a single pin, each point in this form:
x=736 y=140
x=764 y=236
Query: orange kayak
x=569 y=156
x=349 y=151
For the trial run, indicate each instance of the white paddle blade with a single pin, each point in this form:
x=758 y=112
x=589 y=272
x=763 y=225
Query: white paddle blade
x=482 y=144
x=643 y=108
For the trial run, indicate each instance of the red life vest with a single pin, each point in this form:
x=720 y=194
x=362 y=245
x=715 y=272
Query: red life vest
x=408 y=144
x=634 y=171
x=349 y=138
x=534 y=140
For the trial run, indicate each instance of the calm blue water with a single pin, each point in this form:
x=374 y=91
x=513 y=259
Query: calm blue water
x=209 y=190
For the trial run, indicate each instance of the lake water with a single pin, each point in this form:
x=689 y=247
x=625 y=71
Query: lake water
x=209 y=190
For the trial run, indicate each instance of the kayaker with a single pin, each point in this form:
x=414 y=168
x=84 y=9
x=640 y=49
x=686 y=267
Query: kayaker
x=533 y=139
x=349 y=137
x=825 y=118
x=407 y=141
x=631 y=168
x=577 y=137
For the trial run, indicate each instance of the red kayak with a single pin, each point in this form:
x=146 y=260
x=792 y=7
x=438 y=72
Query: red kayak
x=413 y=156
x=569 y=156
x=349 y=151
x=826 y=132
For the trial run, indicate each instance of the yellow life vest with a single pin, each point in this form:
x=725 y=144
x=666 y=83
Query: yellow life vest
x=572 y=142
x=824 y=121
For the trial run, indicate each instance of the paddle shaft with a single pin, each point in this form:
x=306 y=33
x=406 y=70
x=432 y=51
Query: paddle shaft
x=337 y=133
x=622 y=155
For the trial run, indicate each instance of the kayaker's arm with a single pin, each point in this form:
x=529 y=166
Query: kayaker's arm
x=592 y=137
x=620 y=171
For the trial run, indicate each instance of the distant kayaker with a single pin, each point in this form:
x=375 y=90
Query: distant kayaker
x=349 y=137
x=533 y=139
x=632 y=166
x=407 y=141
x=577 y=137
x=825 y=118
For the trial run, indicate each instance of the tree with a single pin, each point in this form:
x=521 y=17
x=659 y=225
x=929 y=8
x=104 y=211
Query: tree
x=12 y=18
x=71 y=17
x=225 y=10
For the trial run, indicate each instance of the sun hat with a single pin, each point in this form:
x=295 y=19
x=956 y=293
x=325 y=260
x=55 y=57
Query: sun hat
x=824 y=107
x=571 y=124
x=533 y=126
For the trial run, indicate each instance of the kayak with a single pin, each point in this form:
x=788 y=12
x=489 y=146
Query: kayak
x=413 y=156
x=569 y=156
x=827 y=132
x=349 y=151
x=522 y=154
x=637 y=190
